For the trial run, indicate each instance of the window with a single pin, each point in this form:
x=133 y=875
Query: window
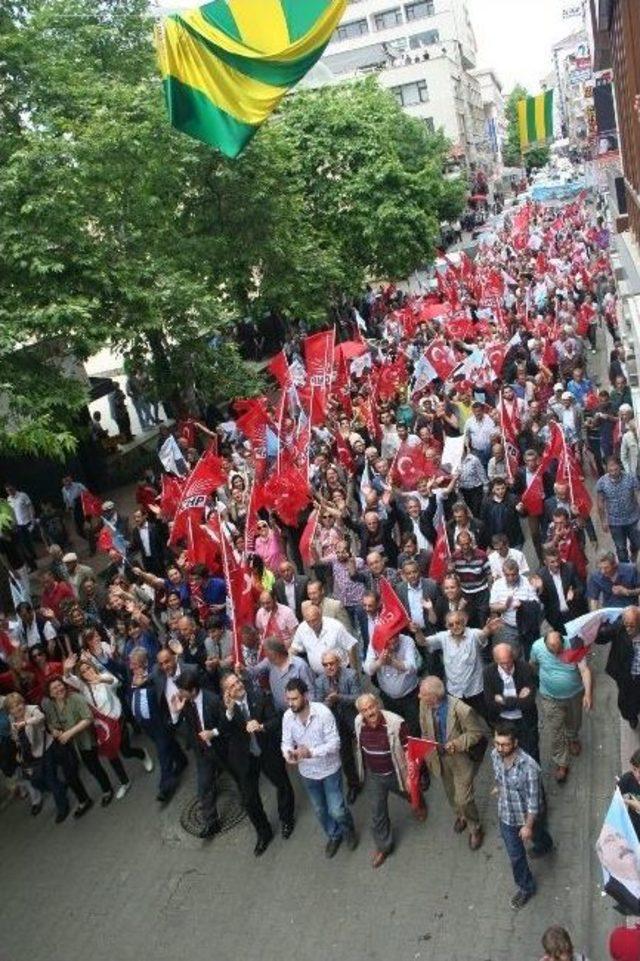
x=357 y=28
x=430 y=124
x=409 y=94
x=419 y=9
x=388 y=18
x=424 y=39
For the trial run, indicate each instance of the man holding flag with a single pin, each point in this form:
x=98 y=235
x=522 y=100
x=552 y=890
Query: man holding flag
x=381 y=738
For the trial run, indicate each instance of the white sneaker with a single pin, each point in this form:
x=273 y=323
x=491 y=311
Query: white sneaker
x=147 y=762
x=123 y=790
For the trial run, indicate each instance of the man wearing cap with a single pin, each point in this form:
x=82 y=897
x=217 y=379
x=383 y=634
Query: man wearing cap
x=555 y=401
x=571 y=418
x=118 y=521
x=76 y=574
x=479 y=431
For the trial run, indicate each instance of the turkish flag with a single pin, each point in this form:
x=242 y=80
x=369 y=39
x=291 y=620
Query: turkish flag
x=91 y=505
x=533 y=497
x=187 y=430
x=203 y=545
x=392 y=618
x=495 y=354
x=287 y=493
x=390 y=377
x=439 y=564
x=441 y=357
x=418 y=750
x=343 y=450
x=507 y=427
x=431 y=311
x=571 y=552
x=460 y=329
x=410 y=466
x=171 y=492
x=306 y=540
x=104 y=541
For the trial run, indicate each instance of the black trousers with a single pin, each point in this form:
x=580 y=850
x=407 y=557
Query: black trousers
x=247 y=777
x=207 y=771
x=629 y=697
x=347 y=756
x=478 y=608
x=407 y=707
x=126 y=747
x=473 y=497
x=68 y=760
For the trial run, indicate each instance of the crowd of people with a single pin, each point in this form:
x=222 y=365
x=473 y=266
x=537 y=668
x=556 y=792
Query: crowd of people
x=338 y=572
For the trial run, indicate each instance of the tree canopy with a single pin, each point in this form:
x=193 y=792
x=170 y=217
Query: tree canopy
x=534 y=157
x=115 y=229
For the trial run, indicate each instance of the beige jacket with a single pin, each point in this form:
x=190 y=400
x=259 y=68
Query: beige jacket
x=465 y=728
x=399 y=758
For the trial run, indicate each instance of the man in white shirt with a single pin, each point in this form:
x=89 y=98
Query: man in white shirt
x=25 y=516
x=508 y=593
x=165 y=675
x=311 y=740
x=502 y=552
x=318 y=634
x=478 y=433
x=395 y=670
x=461 y=648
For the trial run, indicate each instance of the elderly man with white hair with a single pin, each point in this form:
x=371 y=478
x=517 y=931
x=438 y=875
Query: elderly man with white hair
x=457 y=730
x=318 y=634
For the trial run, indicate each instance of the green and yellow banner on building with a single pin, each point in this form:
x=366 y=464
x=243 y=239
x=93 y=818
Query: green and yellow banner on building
x=226 y=65
x=535 y=119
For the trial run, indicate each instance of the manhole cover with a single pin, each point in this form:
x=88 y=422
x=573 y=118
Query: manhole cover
x=230 y=809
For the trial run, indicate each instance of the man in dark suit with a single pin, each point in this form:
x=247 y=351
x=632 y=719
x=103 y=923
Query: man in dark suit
x=522 y=480
x=148 y=541
x=560 y=590
x=146 y=712
x=510 y=694
x=291 y=588
x=251 y=726
x=202 y=714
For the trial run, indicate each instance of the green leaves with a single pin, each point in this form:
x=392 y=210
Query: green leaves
x=117 y=230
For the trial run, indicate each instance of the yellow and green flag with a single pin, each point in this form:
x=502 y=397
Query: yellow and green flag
x=535 y=119
x=226 y=65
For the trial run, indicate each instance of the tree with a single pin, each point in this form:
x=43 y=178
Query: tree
x=115 y=229
x=534 y=157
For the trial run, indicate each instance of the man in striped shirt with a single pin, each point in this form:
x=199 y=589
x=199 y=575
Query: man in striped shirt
x=472 y=566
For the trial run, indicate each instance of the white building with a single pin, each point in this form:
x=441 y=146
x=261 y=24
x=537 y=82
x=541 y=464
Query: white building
x=494 y=119
x=574 y=77
x=424 y=52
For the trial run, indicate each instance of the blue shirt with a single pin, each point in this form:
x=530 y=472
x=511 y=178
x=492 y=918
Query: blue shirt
x=557 y=679
x=620 y=499
x=600 y=587
x=580 y=389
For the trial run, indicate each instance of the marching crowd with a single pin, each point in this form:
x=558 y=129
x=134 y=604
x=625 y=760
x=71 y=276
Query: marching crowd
x=334 y=580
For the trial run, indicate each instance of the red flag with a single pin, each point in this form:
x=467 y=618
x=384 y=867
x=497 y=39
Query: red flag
x=91 y=505
x=343 y=450
x=187 y=430
x=278 y=367
x=418 y=750
x=318 y=357
x=392 y=618
x=569 y=473
x=240 y=587
x=461 y=329
x=171 y=492
x=390 y=377
x=306 y=540
x=253 y=419
x=146 y=495
x=495 y=354
x=533 y=497
x=441 y=357
x=203 y=545
x=208 y=474
x=508 y=428
x=104 y=541
x=288 y=494
x=411 y=465
x=441 y=556
x=571 y=552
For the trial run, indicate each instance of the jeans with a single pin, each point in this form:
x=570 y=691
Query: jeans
x=327 y=799
x=45 y=778
x=517 y=852
x=621 y=533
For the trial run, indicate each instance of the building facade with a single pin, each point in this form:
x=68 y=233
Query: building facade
x=494 y=119
x=424 y=51
x=574 y=80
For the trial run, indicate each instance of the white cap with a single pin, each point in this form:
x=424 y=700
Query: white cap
x=108 y=506
x=558 y=386
x=567 y=395
x=69 y=558
x=625 y=407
